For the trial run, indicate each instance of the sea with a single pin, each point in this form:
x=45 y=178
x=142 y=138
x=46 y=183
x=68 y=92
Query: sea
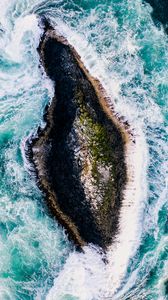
x=124 y=48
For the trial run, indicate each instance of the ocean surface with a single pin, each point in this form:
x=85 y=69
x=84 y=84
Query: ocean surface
x=120 y=44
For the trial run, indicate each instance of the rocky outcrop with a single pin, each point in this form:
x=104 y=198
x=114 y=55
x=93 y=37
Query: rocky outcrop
x=79 y=156
x=160 y=11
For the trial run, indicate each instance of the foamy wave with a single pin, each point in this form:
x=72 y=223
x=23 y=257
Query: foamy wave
x=82 y=276
x=131 y=214
x=23 y=24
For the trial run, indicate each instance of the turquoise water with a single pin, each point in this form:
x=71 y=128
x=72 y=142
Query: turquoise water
x=120 y=44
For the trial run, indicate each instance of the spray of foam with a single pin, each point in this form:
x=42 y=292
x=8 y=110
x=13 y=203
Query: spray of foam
x=164 y=280
x=81 y=277
x=131 y=214
x=22 y=25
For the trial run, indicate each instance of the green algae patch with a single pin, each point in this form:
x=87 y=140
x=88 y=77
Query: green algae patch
x=99 y=152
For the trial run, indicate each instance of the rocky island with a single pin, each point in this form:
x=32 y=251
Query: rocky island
x=80 y=155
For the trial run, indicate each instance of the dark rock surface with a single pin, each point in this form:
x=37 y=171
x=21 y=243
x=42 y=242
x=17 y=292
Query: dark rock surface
x=160 y=11
x=79 y=155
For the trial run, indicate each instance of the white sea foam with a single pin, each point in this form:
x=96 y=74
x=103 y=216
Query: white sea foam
x=23 y=24
x=163 y=280
x=93 y=63
x=82 y=277
x=29 y=238
x=131 y=215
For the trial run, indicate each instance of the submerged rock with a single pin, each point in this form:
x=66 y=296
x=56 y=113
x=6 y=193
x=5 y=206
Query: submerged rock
x=160 y=11
x=79 y=157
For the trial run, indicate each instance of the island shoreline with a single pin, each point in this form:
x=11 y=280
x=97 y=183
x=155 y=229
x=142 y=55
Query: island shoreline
x=37 y=157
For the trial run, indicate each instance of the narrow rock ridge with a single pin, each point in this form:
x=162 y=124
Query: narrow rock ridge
x=80 y=157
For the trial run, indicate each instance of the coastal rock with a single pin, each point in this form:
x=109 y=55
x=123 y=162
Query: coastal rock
x=160 y=11
x=79 y=156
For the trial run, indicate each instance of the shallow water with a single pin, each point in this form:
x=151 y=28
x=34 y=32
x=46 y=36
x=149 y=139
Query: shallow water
x=119 y=44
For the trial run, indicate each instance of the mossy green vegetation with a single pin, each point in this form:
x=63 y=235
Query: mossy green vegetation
x=100 y=153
